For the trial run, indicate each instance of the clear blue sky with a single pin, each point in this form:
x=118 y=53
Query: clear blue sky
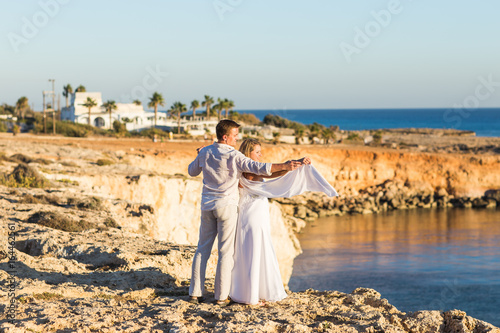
x=261 y=54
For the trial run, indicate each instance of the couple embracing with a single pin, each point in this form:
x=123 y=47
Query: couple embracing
x=235 y=209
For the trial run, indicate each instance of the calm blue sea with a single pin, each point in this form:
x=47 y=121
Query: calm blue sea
x=428 y=259
x=485 y=122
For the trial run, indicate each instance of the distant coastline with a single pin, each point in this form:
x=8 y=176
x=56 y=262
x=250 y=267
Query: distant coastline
x=484 y=122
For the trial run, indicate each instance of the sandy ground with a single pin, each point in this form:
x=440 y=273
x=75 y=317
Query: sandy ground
x=147 y=145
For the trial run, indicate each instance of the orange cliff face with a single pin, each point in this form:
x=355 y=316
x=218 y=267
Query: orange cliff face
x=348 y=168
x=352 y=169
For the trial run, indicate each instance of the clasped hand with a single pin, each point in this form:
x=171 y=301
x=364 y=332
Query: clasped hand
x=304 y=160
x=295 y=164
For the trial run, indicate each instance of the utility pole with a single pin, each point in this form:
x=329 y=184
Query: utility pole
x=46 y=110
x=53 y=107
x=44 y=114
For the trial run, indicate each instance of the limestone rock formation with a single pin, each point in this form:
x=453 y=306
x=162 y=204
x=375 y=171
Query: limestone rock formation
x=128 y=269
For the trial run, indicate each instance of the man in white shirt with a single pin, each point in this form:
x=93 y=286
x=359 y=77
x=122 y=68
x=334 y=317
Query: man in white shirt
x=222 y=166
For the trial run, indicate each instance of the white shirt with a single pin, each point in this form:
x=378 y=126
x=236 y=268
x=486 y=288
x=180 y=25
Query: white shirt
x=222 y=166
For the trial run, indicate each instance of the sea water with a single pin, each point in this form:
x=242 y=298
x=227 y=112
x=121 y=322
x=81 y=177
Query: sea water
x=484 y=122
x=417 y=259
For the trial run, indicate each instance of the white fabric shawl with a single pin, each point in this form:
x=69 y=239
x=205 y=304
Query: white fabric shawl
x=305 y=178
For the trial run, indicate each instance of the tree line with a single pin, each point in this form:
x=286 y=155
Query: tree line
x=156 y=100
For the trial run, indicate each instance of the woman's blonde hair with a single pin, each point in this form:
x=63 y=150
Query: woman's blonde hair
x=248 y=145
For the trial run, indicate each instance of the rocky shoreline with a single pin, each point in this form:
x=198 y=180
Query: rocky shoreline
x=390 y=195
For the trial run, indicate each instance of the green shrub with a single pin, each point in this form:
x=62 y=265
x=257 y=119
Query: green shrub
x=16 y=129
x=59 y=221
x=91 y=203
x=276 y=137
x=119 y=127
x=278 y=121
x=67 y=128
x=43 y=161
x=21 y=158
x=111 y=223
x=103 y=162
x=150 y=133
x=377 y=137
x=46 y=296
x=353 y=136
x=69 y=164
x=247 y=118
x=4 y=157
x=68 y=181
x=24 y=176
x=40 y=199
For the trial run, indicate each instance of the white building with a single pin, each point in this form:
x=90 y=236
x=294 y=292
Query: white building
x=134 y=116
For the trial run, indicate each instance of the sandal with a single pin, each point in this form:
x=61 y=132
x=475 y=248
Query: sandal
x=195 y=300
x=223 y=303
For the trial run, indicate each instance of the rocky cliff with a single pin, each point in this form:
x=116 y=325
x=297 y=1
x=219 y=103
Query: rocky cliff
x=108 y=280
x=131 y=216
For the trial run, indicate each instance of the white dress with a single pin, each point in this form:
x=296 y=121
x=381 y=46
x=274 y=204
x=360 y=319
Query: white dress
x=256 y=274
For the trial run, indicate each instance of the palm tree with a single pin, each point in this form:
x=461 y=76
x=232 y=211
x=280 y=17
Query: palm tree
x=21 y=105
x=67 y=91
x=154 y=101
x=230 y=105
x=175 y=111
x=327 y=134
x=222 y=106
x=90 y=103
x=218 y=108
x=194 y=105
x=208 y=103
x=80 y=88
x=226 y=105
x=137 y=102
x=110 y=106
x=299 y=134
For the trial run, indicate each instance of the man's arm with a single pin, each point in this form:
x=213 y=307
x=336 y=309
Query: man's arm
x=287 y=166
x=302 y=161
x=246 y=164
x=194 y=168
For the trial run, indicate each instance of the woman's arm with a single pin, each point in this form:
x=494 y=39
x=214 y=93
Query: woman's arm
x=252 y=176
x=276 y=174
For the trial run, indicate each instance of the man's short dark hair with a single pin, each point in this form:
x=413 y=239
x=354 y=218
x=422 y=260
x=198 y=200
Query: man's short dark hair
x=224 y=127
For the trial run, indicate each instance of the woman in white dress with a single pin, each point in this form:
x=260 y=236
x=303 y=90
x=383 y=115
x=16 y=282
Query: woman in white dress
x=256 y=276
